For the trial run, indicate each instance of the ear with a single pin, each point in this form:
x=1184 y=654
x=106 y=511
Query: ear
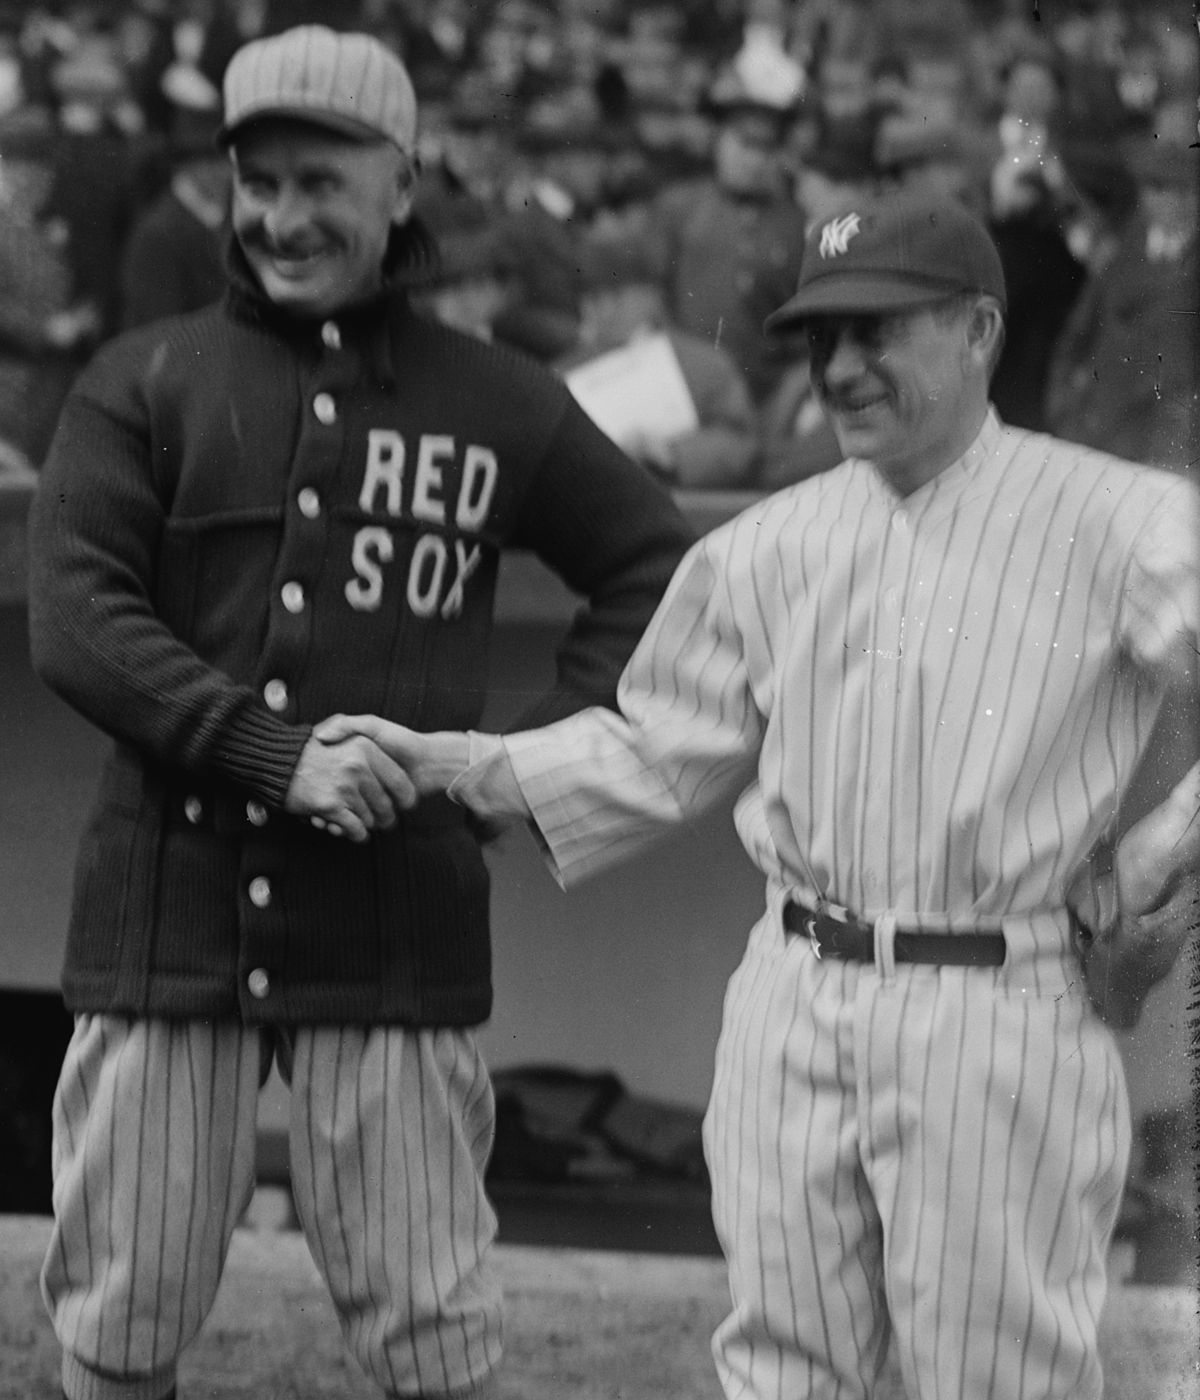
x=406 y=189
x=985 y=332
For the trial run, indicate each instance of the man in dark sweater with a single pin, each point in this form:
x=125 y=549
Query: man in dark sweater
x=286 y=505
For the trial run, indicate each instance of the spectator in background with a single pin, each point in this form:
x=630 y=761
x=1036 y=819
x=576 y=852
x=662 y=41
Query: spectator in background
x=40 y=327
x=1126 y=370
x=1027 y=217
x=624 y=302
x=147 y=36
x=727 y=245
x=536 y=242
x=172 y=260
x=100 y=162
x=19 y=115
x=849 y=116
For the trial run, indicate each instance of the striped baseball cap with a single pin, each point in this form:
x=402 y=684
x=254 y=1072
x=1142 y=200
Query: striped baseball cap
x=889 y=254
x=347 y=83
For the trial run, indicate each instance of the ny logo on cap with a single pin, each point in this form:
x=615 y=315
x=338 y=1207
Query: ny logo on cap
x=836 y=235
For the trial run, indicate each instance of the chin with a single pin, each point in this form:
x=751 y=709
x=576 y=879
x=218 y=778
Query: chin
x=858 y=442
x=301 y=303
x=300 y=298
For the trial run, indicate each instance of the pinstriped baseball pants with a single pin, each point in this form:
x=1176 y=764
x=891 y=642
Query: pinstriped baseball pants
x=931 y=1153
x=154 y=1151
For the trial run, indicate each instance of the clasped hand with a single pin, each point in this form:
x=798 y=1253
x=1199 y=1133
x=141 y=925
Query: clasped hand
x=358 y=773
x=1138 y=916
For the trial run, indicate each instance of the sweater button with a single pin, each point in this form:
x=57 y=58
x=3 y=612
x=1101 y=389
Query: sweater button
x=331 y=336
x=260 y=891
x=258 y=983
x=256 y=814
x=292 y=594
x=325 y=409
x=193 y=809
x=275 y=693
x=309 y=503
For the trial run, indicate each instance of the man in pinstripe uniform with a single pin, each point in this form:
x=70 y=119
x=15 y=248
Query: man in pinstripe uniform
x=293 y=502
x=933 y=671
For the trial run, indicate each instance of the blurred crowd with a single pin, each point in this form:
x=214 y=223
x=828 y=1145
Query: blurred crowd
x=627 y=185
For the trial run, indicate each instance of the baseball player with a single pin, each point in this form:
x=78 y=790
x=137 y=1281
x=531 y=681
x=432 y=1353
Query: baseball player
x=933 y=671
x=291 y=503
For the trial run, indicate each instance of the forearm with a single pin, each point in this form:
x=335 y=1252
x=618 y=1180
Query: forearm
x=1158 y=853
x=1139 y=916
x=97 y=637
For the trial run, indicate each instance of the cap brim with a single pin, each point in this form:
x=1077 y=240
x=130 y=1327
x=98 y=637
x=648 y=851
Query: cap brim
x=345 y=127
x=858 y=294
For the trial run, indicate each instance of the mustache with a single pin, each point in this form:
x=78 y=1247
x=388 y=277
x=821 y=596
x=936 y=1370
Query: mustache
x=262 y=242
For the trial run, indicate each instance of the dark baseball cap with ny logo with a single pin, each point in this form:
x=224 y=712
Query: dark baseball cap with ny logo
x=889 y=254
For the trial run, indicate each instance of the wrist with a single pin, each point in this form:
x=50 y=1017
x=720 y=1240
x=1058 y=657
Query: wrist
x=447 y=755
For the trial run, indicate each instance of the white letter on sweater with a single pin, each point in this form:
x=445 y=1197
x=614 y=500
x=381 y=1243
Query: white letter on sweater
x=385 y=466
x=433 y=451
x=372 y=546
x=478 y=487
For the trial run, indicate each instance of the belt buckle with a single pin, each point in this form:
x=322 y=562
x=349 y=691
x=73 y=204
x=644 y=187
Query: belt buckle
x=822 y=911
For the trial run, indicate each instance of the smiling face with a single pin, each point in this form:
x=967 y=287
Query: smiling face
x=313 y=213
x=906 y=391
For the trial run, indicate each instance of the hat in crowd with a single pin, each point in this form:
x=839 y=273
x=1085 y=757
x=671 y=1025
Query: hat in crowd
x=759 y=78
x=193 y=110
x=90 y=72
x=889 y=254
x=350 y=84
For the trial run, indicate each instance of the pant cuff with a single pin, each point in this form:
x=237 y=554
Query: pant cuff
x=80 y=1382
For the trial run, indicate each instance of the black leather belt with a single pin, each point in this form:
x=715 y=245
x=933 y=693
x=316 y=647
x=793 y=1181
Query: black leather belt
x=841 y=934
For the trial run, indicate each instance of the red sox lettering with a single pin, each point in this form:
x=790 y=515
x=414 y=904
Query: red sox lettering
x=440 y=566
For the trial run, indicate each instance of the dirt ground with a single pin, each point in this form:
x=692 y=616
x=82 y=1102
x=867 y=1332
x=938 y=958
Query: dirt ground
x=581 y=1325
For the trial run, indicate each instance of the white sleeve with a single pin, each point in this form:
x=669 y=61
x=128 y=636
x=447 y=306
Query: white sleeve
x=1158 y=616
x=487 y=786
x=601 y=784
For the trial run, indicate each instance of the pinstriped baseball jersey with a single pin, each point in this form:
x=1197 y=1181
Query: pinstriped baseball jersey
x=945 y=696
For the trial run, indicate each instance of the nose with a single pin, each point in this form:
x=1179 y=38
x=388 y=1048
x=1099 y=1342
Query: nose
x=286 y=216
x=843 y=360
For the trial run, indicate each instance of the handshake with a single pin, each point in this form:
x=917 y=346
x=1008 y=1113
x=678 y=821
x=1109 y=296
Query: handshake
x=358 y=773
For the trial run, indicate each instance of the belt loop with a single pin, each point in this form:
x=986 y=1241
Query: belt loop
x=885 y=946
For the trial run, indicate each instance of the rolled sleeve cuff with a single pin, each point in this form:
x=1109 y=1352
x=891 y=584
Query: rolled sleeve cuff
x=488 y=786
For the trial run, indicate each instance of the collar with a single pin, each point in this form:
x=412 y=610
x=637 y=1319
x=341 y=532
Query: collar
x=411 y=261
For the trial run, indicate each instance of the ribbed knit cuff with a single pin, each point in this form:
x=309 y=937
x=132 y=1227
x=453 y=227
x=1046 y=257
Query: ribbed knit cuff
x=80 y=1382
x=260 y=751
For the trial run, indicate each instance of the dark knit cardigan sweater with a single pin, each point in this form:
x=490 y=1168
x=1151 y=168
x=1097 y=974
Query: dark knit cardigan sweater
x=246 y=523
